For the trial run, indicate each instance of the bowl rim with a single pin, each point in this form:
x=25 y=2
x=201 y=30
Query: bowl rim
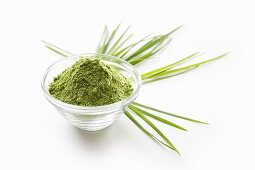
x=93 y=109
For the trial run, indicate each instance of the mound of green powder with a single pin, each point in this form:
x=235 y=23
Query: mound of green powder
x=90 y=82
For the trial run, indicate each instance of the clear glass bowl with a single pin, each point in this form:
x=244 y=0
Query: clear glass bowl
x=91 y=118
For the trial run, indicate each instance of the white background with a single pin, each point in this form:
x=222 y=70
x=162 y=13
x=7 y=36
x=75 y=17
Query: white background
x=34 y=136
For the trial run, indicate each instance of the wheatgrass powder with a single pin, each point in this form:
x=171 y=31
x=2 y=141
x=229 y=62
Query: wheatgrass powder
x=90 y=82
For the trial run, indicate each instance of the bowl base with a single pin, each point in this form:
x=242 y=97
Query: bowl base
x=91 y=128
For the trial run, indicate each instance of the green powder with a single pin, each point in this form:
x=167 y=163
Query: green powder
x=90 y=82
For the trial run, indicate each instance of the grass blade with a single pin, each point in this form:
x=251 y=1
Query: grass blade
x=56 y=49
x=167 y=113
x=115 y=46
x=174 y=30
x=151 y=53
x=145 y=56
x=150 y=80
x=167 y=67
x=157 y=130
x=120 y=45
x=188 y=67
x=108 y=42
x=135 y=109
x=155 y=41
x=102 y=41
x=144 y=130
x=121 y=53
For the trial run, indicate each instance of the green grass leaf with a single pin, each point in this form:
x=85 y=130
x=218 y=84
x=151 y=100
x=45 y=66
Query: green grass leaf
x=167 y=67
x=102 y=41
x=174 y=30
x=150 y=80
x=157 y=130
x=153 y=44
x=121 y=44
x=167 y=113
x=164 y=73
x=150 y=53
x=155 y=41
x=56 y=49
x=122 y=52
x=135 y=109
x=109 y=40
x=118 y=44
x=144 y=130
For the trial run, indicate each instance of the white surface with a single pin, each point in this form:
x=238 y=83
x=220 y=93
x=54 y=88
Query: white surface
x=34 y=136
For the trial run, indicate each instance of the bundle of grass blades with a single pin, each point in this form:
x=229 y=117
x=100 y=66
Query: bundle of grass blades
x=90 y=82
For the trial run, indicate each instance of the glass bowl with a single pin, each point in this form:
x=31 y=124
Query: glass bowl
x=91 y=118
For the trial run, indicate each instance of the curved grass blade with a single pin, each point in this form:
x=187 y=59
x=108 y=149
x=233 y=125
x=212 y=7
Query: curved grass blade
x=174 y=30
x=121 y=44
x=156 y=41
x=115 y=46
x=102 y=41
x=150 y=80
x=145 y=56
x=188 y=67
x=151 y=53
x=167 y=67
x=167 y=113
x=121 y=53
x=157 y=130
x=144 y=130
x=147 y=46
x=56 y=49
x=146 y=38
x=108 y=42
x=135 y=109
